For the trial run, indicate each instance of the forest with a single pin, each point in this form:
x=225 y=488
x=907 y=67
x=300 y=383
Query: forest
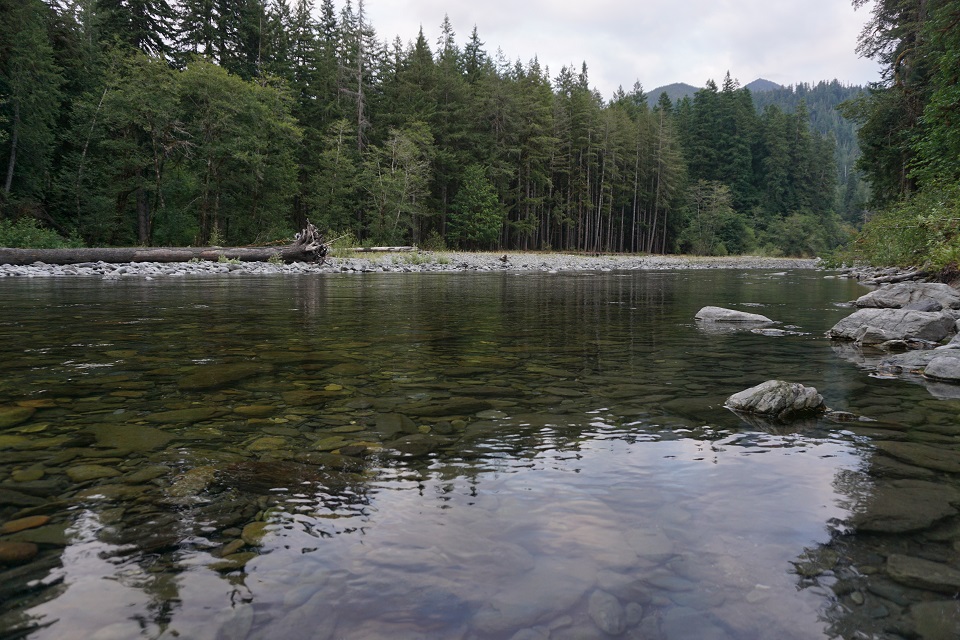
x=231 y=122
x=909 y=134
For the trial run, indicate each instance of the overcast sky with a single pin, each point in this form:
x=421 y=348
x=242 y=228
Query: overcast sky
x=657 y=42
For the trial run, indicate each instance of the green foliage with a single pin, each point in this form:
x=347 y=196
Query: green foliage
x=26 y=233
x=714 y=227
x=235 y=122
x=476 y=215
x=923 y=230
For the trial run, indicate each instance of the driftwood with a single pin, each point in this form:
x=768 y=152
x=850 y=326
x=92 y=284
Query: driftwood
x=308 y=246
x=901 y=277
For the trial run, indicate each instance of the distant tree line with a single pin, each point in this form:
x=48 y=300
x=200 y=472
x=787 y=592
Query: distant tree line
x=162 y=122
x=909 y=132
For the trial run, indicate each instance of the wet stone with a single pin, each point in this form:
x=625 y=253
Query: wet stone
x=85 y=472
x=451 y=407
x=146 y=474
x=131 y=436
x=923 y=574
x=219 y=375
x=606 y=612
x=391 y=424
x=11 y=498
x=13 y=442
x=22 y=524
x=52 y=534
x=939 y=620
x=233 y=562
x=937 y=458
x=184 y=416
x=14 y=553
x=899 y=506
x=28 y=475
x=11 y=416
x=192 y=482
x=267 y=444
x=256 y=410
x=253 y=533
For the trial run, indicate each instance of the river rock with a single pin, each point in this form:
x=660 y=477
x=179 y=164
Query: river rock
x=11 y=498
x=219 y=375
x=22 y=524
x=84 y=472
x=254 y=532
x=777 y=398
x=538 y=595
x=898 y=296
x=875 y=326
x=937 y=458
x=185 y=416
x=134 y=437
x=607 y=613
x=10 y=416
x=452 y=407
x=943 y=368
x=923 y=574
x=939 y=620
x=17 y=552
x=719 y=314
x=905 y=505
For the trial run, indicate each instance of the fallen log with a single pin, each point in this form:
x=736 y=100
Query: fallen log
x=308 y=246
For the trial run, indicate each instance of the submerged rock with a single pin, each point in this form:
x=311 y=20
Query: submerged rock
x=11 y=416
x=875 y=326
x=923 y=574
x=778 y=399
x=719 y=314
x=901 y=506
x=898 y=296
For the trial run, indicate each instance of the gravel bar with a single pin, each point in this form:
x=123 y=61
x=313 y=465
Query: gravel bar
x=421 y=262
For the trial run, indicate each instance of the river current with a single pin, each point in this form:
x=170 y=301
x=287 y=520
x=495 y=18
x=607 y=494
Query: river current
x=522 y=456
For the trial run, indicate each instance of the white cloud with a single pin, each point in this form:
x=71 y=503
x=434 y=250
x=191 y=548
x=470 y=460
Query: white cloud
x=656 y=42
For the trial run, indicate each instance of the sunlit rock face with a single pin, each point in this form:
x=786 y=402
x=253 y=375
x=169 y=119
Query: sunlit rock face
x=779 y=399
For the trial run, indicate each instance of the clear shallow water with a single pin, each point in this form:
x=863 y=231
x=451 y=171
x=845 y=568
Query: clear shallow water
x=455 y=456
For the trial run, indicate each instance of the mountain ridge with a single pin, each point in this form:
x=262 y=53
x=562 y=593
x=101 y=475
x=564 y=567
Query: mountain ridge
x=679 y=90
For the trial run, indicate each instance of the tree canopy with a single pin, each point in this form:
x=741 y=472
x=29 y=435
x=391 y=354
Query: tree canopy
x=160 y=122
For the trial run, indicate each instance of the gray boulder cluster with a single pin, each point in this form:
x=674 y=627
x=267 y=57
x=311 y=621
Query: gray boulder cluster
x=922 y=319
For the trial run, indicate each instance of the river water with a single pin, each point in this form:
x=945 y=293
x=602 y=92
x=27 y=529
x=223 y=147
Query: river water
x=506 y=456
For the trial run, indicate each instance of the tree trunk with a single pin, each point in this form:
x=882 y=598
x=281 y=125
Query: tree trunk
x=307 y=247
x=12 y=161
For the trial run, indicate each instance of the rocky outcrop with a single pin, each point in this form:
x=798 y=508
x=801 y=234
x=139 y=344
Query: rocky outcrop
x=778 y=399
x=876 y=326
x=921 y=294
x=719 y=314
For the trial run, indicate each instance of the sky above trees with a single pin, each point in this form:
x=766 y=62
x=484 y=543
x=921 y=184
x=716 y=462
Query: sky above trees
x=657 y=42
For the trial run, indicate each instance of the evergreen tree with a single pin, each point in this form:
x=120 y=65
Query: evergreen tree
x=476 y=215
x=30 y=93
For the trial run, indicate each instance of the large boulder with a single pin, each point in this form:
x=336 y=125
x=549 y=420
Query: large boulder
x=778 y=399
x=719 y=314
x=943 y=367
x=874 y=326
x=897 y=296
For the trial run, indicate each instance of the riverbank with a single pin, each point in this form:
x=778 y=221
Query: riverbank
x=410 y=263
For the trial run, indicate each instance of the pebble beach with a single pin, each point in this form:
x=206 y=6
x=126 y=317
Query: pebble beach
x=408 y=263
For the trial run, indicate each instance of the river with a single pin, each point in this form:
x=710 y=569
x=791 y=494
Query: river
x=481 y=456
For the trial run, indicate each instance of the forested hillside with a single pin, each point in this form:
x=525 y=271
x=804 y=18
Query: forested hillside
x=162 y=122
x=910 y=135
x=821 y=102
